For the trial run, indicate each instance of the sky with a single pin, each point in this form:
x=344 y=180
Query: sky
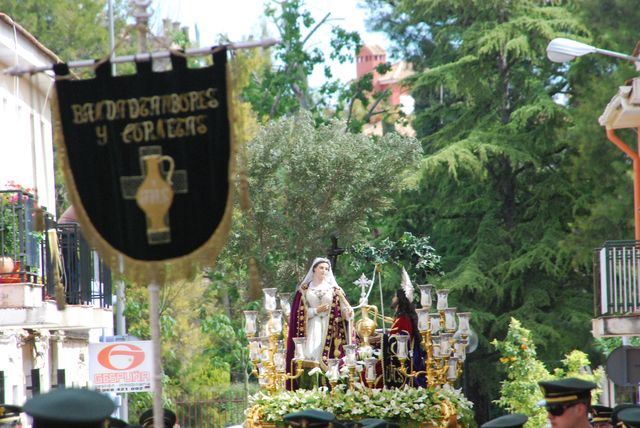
x=241 y=18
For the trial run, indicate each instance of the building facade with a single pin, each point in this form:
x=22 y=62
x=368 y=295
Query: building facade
x=371 y=56
x=41 y=346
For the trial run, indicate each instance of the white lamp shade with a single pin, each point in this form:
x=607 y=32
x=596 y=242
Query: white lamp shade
x=443 y=296
x=423 y=319
x=250 y=326
x=370 y=369
x=425 y=295
x=270 y=303
x=275 y=324
x=299 y=343
x=452 y=369
x=350 y=355
x=333 y=369
x=254 y=349
x=450 y=319
x=563 y=50
x=463 y=323
x=402 y=341
x=434 y=323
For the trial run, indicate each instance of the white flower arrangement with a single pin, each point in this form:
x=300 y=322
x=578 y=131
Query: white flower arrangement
x=433 y=406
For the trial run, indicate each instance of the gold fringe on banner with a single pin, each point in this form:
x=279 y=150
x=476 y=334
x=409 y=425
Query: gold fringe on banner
x=142 y=272
x=244 y=134
x=245 y=204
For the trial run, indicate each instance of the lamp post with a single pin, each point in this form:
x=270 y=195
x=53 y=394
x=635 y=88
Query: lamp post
x=564 y=50
x=620 y=113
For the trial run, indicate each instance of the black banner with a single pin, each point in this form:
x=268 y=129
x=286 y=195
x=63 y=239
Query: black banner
x=148 y=159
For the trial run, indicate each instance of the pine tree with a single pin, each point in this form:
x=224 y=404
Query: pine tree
x=492 y=194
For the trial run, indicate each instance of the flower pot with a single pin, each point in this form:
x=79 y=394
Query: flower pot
x=6 y=264
x=11 y=279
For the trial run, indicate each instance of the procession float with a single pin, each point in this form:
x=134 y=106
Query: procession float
x=315 y=351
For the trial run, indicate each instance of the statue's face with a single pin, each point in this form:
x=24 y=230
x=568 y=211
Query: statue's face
x=320 y=271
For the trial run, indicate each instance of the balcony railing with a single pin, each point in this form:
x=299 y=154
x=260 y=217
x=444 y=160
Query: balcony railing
x=616 y=278
x=85 y=278
x=18 y=238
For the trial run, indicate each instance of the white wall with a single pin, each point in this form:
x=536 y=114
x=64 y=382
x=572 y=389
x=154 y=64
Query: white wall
x=26 y=148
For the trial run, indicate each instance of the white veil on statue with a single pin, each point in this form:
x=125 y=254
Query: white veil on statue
x=329 y=278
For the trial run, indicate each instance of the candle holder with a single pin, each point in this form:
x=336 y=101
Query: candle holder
x=370 y=375
x=425 y=296
x=267 y=352
x=443 y=340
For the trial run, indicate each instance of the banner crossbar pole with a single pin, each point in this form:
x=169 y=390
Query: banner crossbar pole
x=18 y=70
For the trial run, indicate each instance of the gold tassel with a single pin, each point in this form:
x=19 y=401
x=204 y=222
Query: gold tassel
x=254 y=280
x=56 y=263
x=38 y=219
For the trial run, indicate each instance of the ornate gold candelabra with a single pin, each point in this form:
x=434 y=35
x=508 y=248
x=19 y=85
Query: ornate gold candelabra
x=443 y=340
x=267 y=351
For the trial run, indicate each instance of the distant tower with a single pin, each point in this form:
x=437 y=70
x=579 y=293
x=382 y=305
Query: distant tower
x=369 y=57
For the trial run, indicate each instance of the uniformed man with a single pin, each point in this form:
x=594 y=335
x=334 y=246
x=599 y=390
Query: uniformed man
x=10 y=415
x=376 y=423
x=515 y=420
x=310 y=419
x=629 y=417
x=568 y=402
x=615 y=421
x=601 y=416
x=70 y=408
x=116 y=423
x=146 y=419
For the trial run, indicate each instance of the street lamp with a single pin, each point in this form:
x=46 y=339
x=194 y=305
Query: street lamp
x=623 y=111
x=564 y=50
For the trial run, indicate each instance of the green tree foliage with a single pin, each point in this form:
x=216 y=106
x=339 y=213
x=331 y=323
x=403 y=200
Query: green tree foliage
x=308 y=183
x=599 y=171
x=492 y=195
x=282 y=87
x=187 y=311
x=71 y=29
x=413 y=253
x=520 y=392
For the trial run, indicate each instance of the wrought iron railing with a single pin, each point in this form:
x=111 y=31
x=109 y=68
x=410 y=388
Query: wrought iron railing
x=18 y=239
x=86 y=280
x=616 y=278
x=213 y=410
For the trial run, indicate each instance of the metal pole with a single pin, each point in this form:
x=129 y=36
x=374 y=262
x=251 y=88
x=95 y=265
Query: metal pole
x=142 y=19
x=112 y=37
x=17 y=70
x=156 y=384
x=121 y=329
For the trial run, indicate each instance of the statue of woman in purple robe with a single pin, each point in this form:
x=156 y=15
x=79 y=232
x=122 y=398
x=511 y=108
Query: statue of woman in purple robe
x=320 y=313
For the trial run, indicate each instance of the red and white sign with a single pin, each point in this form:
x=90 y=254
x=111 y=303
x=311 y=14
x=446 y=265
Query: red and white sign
x=120 y=366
